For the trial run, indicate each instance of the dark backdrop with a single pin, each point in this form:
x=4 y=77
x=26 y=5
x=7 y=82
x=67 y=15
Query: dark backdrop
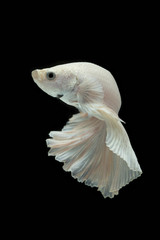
x=43 y=190
x=123 y=56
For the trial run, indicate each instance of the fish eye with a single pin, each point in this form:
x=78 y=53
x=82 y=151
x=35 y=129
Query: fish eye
x=51 y=75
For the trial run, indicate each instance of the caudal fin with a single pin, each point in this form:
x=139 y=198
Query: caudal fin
x=81 y=146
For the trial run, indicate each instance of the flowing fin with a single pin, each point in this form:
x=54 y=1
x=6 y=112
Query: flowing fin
x=117 y=139
x=89 y=92
x=81 y=146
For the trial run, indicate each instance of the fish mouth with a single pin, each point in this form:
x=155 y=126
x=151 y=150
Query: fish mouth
x=34 y=74
x=59 y=95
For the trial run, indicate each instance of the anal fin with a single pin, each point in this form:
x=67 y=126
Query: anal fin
x=81 y=146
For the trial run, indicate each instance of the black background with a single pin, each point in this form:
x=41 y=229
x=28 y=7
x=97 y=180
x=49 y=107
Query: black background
x=40 y=189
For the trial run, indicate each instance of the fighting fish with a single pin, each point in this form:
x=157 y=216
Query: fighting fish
x=94 y=145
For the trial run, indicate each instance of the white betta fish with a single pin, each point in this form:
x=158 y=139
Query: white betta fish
x=93 y=145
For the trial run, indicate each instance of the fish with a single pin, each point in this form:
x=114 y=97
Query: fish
x=93 y=145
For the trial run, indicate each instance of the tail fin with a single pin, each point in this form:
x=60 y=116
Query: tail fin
x=81 y=146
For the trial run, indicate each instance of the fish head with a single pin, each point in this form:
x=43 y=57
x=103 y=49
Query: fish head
x=57 y=82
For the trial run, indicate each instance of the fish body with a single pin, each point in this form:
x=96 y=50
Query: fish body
x=93 y=145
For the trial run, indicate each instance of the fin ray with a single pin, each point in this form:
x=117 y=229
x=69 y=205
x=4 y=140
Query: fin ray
x=81 y=146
